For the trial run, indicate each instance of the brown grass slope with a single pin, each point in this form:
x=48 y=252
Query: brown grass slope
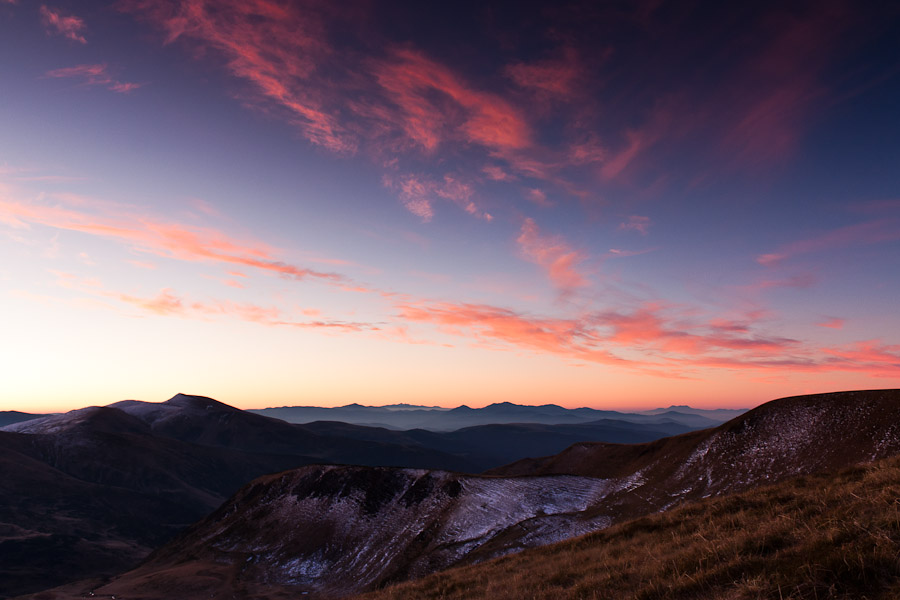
x=811 y=537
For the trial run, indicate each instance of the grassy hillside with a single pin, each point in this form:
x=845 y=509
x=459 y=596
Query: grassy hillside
x=812 y=537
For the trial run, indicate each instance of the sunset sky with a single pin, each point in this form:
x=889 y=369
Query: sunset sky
x=609 y=204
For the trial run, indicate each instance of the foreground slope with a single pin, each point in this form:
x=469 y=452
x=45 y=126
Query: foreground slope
x=811 y=537
x=337 y=530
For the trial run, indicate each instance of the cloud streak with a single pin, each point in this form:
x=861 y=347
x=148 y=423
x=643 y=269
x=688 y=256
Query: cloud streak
x=162 y=238
x=70 y=27
x=558 y=259
x=96 y=74
x=870 y=232
x=649 y=340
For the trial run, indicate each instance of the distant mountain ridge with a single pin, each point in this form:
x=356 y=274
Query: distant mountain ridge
x=432 y=520
x=434 y=419
x=9 y=417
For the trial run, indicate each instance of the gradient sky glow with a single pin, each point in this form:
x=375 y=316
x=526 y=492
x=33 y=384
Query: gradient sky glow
x=608 y=204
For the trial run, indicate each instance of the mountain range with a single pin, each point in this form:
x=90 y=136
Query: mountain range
x=406 y=416
x=91 y=492
x=339 y=530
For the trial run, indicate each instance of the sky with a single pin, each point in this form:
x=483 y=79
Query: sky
x=610 y=204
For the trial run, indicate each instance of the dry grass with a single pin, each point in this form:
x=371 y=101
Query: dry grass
x=811 y=538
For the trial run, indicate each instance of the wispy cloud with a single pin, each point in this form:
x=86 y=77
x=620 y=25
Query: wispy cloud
x=871 y=232
x=96 y=74
x=832 y=323
x=650 y=339
x=410 y=80
x=557 y=258
x=161 y=238
x=636 y=223
x=169 y=304
x=419 y=193
x=556 y=77
x=496 y=173
x=68 y=26
x=539 y=197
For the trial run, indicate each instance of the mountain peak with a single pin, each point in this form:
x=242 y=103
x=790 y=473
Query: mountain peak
x=197 y=402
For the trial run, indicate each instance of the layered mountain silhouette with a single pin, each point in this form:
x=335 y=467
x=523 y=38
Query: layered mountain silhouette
x=438 y=419
x=8 y=417
x=93 y=491
x=339 y=530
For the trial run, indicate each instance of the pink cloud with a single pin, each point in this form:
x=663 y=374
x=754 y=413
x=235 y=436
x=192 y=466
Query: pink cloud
x=273 y=46
x=167 y=303
x=491 y=324
x=418 y=194
x=282 y=50
x=656 y=343
x=556 y=77
x=94 y=75
x=554 y=255
x=587 y=151
x=648 y=340
x=872 y=356
x=69 y=27
x=171 y=240
x=636 y=142
x=832 y=323
x=539 y=197
x=871 y=232
x=777 y=87
x=496 y=173
x=202 y=206
x=636 y=223
x=619 y=253
x=436 y=104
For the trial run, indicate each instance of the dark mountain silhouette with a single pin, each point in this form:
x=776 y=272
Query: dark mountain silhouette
x=499 y=413
x=92 y=491
x=489 y=446
x=353 y=529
